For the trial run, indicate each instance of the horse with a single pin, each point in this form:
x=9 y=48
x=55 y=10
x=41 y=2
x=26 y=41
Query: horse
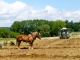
x=27 y=38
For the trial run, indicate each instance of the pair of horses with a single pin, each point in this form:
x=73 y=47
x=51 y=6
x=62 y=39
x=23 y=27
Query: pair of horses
x=27 y=38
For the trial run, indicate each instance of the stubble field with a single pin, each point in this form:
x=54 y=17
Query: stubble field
x=45 y=49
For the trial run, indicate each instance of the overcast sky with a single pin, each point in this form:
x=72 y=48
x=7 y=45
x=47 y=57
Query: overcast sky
x=18 y=10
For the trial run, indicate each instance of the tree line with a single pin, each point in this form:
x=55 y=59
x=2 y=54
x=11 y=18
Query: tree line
x=45 y=27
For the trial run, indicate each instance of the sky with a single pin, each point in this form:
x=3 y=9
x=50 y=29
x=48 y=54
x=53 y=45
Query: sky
x=18 y=10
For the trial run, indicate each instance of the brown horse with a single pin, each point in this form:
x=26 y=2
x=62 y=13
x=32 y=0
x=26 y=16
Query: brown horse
x=28 y=38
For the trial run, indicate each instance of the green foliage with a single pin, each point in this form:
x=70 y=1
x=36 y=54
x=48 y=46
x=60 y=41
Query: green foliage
x=13 y=34
x=4 y=33
x=45 y=30
x=57 y=26
x=45 y=27
x=73 y=26
x=16 y=26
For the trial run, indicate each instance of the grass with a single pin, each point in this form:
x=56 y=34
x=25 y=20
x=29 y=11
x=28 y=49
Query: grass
x=75 y=35
x=2 y=40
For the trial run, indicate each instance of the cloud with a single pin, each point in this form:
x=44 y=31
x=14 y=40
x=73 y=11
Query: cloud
x=21 y=11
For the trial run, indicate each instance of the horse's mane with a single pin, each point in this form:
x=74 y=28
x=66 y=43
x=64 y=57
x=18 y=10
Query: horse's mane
x=34 y=34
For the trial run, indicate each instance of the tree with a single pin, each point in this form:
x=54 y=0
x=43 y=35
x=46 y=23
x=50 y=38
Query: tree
x=4 y=33
x=15 y=26
x=13 y=34
x=69 y=25
x=58 y=25
x=45 y=30
x=51 y=24
x=46 y=27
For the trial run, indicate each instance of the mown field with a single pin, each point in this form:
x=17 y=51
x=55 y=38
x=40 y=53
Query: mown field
x=48 y=48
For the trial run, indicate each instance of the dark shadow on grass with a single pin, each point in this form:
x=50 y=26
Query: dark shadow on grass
x=28 y=48
x=24 y=48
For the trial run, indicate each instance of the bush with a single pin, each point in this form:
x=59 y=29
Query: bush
x=13 y=34
x=6 y=33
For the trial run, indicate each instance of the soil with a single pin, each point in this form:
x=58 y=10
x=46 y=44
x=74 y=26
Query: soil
x=44 y=49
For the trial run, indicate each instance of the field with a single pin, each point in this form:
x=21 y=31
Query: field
x=51 y=48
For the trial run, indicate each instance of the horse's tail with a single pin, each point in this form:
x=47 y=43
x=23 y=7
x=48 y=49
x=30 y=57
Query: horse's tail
x=17 y=40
